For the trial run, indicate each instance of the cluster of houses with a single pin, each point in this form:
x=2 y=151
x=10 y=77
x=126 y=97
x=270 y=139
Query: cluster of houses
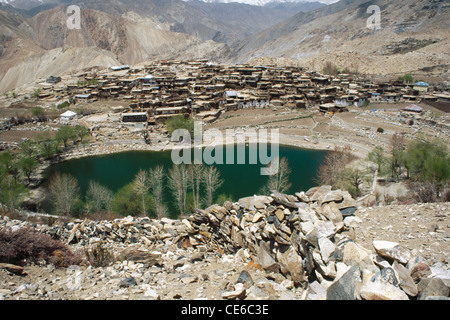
x=155 y=92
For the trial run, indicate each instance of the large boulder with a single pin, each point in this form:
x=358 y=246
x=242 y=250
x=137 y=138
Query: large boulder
x=291 y=265
x=392 y=250
x=265 y=258
x=346 y=287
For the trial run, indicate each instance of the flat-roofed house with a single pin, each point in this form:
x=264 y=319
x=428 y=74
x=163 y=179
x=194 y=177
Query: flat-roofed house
x=162 y=114
x=134 y=117
x=170 y=110
x=68 y=115
x=53 y=80
x=230 y=94
x=332 y=107
x=83 y=96
x=413 y=108
x=119 y=68
x=421 y=86
x=442 y=97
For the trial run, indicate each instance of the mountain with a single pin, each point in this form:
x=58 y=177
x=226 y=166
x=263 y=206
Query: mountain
x=130 y=41
x=221 y=22
x=243 y=20
x=122 y=32
x=338 y=33
x=34 y=38
x=28 y=4
x=23 y=60
x=44 y=43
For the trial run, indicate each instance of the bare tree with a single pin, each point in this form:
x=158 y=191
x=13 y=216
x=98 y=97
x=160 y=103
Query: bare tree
x=65 y=192
x=398 y=155
x=98 y=198
x=196 y=178
x=156 y=178
x=141 y=187
x=280 y=180
x=330 y=172
x=178 y=184
x=212 y=182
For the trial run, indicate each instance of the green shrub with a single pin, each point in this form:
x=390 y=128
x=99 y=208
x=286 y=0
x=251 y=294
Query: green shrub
x=66 y=133
x=38 y=112
x=127 y=202
x=428 y=161
x=180 y=122
x=223 y=197
x=63 y=105
x=36 y=93
x=406 y=78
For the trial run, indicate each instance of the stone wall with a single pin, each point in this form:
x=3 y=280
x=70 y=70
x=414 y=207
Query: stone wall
x=306 y=237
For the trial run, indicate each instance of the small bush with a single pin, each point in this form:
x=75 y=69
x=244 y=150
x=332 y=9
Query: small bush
x=128 y=203
x=39 y=113
x=63 y=105
x=99 y=256
x=406 y=78
x=36 y=93
x=330 y=69
x=380 y=130
x=26 y=246
x=426 y=191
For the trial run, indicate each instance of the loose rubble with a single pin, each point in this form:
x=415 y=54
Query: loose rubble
x=262 y=247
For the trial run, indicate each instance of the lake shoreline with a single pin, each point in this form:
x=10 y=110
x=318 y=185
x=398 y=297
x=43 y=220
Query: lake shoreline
x=103 y=148
x=100 y=148
x=108 y=147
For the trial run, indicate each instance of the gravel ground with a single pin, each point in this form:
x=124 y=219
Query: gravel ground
x=423 y=227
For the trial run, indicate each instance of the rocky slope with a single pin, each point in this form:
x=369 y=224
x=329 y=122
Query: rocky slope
x=299 y=246
x=131 y=42
x=60 y=61
x=23 y=60
x=43 y=46
x=206 y=21
x=338 y=33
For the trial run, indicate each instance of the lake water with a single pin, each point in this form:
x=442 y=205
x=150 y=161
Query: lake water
x=240 y=180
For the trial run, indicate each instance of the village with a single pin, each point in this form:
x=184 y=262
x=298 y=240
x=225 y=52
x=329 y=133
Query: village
x=126 y=106
x=155 y=92
x=133 y=103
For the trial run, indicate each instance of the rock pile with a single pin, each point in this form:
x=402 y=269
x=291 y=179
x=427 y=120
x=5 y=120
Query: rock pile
x=304 y=241
x=309 y=239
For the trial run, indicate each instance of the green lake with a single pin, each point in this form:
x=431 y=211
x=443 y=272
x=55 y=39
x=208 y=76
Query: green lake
x=240 y=180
